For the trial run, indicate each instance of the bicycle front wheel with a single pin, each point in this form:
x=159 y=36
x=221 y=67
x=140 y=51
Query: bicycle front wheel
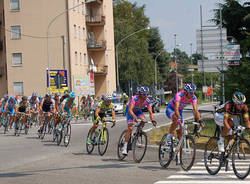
x=43 y=130
x=139 y=146
x=103 y=141
x=90 y=146
x=241 y=158
x=187 y=153
x=165 y=152
x=212 y=156
x=120 y=145
x=67 y=135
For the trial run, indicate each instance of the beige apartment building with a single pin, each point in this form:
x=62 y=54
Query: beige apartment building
x=80 y=41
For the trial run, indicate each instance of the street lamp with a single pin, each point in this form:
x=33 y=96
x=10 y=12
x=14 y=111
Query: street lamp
x=159 y=53
x=176 y=77
x=50 y=23
x=191 y=58
x=116 y=53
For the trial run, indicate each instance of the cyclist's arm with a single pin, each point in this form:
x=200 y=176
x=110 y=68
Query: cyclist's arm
x=151 y=115
x=196 y=112
x=246 y=117
x=113 y=114
x=131 y=107
x=176 y=110
x=97 y=111
x=226 y=117
x=76 y=110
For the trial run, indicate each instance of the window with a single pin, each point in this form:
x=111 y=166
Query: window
x=76 y=58
x=82 y=8
x=78 y=8
x=14 y=5
x=80 y=58
x=79 y=29
x=16 y=59
x=18 y=88
x=73 y=4
x=83 y=33
x=15 y=32
x=75 y=31
x=85 y=59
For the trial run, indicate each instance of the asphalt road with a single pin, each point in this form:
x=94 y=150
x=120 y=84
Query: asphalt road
x=28 y=160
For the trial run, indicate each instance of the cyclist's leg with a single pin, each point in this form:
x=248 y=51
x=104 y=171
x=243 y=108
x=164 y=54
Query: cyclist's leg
x=170 y=113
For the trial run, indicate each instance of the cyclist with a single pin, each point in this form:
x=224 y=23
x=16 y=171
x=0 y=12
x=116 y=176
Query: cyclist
x=69 y=103
x=176 y=106
x=24 y=107
x=83 y=102
x=125 y=98
x=11 y=108
x=3 y=101
x=233 y=110
x=34 y=105
x=133 y=111
x=47 y=106
x=90 y=103
x=100 y=112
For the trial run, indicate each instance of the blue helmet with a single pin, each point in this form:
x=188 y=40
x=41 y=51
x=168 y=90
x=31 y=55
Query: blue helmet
x=144 y=90
x=72 y=95
x=239 y=98
x=190 y=88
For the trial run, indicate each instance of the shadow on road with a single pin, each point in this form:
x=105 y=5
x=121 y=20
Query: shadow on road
x=156 y=168
x=13 y=175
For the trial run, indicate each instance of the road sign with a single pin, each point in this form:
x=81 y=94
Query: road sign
x=232 y=54
x=58 y=81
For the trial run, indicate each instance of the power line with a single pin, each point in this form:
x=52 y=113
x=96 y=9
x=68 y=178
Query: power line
x=30 y=36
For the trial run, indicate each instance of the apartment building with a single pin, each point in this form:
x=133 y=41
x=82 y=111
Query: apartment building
x=80 y=41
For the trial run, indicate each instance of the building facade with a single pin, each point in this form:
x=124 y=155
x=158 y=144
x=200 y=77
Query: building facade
x=80 y=41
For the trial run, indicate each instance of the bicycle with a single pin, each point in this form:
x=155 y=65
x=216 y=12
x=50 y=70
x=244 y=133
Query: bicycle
x=63 y=130
x=237 y=145
x=43 y=128
x=19 y=124
x=137 y=142
x=184 y=147
x=5 y=122
x=100 y=138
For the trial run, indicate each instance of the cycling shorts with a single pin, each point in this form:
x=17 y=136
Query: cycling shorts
x=130 y=118
x=102 y=115
x=170 y=111
x=66 y=109
x=11 y=111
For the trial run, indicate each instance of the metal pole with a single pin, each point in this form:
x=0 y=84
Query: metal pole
x=50 y=23
x=156 y=67
x=176 y=72
x=191 y=49
x=222 y=58
x=202 y=57
x=116 y=53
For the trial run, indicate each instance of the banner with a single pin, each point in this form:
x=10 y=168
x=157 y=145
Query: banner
x=84 y=84
x=58 y=81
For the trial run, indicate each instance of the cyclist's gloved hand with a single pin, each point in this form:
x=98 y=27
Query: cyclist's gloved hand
x=98 y=118
x=154 y=123
x=114 y=121
x=202 y=123
x=178 y=121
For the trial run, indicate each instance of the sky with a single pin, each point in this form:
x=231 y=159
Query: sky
x=181 y=17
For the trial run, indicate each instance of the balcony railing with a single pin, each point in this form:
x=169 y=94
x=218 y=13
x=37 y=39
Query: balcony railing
x=95 y=20
x=92 y=1
x=96 y=45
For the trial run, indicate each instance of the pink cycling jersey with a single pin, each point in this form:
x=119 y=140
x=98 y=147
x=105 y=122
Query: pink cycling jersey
x=136 y=101
x=181 y=97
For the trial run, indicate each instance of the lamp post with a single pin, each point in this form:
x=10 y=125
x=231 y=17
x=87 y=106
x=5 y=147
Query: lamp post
x=176 y=72
x=191 y=58
x=159 y=53
x=116 y=53
x=50 y=23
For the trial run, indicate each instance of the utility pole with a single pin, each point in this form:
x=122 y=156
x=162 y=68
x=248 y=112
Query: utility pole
x=222 y=58
x=191 y=58
x=176 y=72
x=202 y=57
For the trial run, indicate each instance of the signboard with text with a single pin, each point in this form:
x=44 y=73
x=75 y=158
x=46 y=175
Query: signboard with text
x=58 y=81
x=84 y=84
x=232 y=55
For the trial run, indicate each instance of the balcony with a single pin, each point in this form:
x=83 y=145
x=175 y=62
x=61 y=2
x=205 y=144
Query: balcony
x=99 y=69
x=98 y=20
x=96 y=45
x=93 y=1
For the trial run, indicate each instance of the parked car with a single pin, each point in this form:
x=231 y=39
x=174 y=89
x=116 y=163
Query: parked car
x=155 y=103
x=118 y=105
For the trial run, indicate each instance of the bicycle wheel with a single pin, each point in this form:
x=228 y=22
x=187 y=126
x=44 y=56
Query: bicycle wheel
x=166 y=152
x=103 y=141
x=212 y=156
x=187 y=153
x=43 y=130
x=139 y=146
x=89 y=146
x=120 y=145
x=6 y=124
x=67 y=134
x=241 y=158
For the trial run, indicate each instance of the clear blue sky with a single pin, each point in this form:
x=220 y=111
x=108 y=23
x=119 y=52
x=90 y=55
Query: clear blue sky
x=181 y=17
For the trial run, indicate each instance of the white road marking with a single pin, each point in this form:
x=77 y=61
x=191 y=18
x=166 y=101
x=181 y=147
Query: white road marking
x=198 y=176
x=202 y=182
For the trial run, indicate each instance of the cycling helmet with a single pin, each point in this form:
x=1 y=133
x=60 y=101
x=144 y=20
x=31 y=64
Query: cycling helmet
x=24 y=98
x=107 y=97
x=12 y=98
x=239 y=98
x=72 y=95
x=34 y=94
x=47 y=96
x=66 y=92
x=40 y=97
x=144 y=90
x=57 y=94
x=190 y=88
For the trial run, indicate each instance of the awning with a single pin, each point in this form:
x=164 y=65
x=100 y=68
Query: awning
x=90 y=1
